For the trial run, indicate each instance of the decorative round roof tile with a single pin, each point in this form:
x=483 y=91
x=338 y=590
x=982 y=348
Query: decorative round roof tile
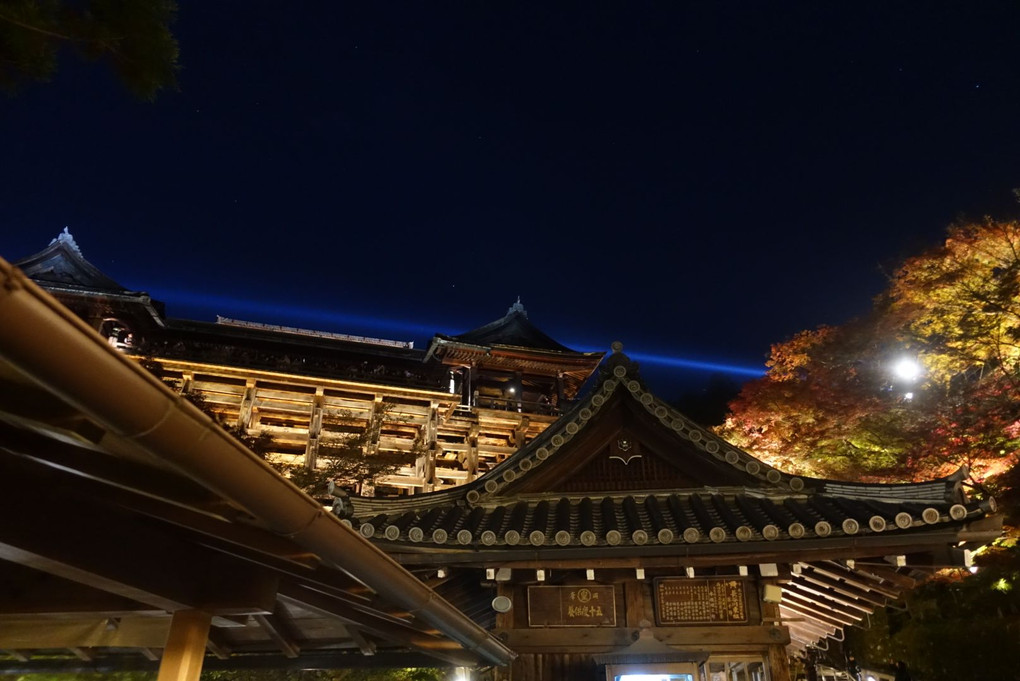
x=647 y=399
x=732 y=457
x=617 y=346
x=796 y=530
x=930 y=515
x=491 y=486
x=851 y=526
x=392 y=532
x=465 y=537
x=717 y=534
x=661 y=412
x=488 y=538
x=367 y=530
x=876 y=523
x=473 y=496
x=585 y=413
x=609 y=386
x=744 y=533
x=542 y=453
x=510 y=475
x=796 y=484
x=557 y=440
x=752 y=467
x=588 y=538
x=678 y=426
x=692 y=536
x=562 y=538
x=634 y=386
x=665 y=536
x=712 y=447
x=512 y=537
x=346 y=521
x=416 y=534
x=773 y=476
x=537 y=537
x=439 y=535
x=572 y=427
x=695 y=435
x=770 y=532
x=597 y=401
x=639 y=537
x=613 y=537
x=823 y=529
x=957 y=511
x=526 y=465
x=619 y=371
x=904 y=520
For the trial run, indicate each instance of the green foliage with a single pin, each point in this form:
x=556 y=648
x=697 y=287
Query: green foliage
x=132 y=36
x=952 y=625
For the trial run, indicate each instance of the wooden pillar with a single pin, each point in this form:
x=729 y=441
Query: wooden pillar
x=778 y=659
x=244 y=412
x=314 y=430
x=779 y=663
x=185 y=646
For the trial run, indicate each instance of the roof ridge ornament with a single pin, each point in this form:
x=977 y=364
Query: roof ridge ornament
x=517 y=307
x=65 y=237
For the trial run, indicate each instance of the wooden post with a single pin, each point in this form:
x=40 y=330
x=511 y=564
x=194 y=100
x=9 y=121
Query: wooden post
x=778 y=659
x=185 y=646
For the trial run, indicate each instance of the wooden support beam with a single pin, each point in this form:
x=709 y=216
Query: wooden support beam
x=16 y=654
x=874 y=598
x=149 y=654
x=813 y=615
x=366 y=646
x=820 y=610
x=216 y=645
x=809 y=590
x=275 y=625
x=185 y=646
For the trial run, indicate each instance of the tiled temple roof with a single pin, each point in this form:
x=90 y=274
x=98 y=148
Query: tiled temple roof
x=512 y=330
x=61 y=264
x=721 y=495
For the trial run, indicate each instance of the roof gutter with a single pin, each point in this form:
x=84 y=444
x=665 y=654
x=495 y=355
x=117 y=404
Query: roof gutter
x=53 y=347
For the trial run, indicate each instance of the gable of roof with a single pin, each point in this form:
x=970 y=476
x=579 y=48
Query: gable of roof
x=514 y=329
x=578 y=485
x=61 y=263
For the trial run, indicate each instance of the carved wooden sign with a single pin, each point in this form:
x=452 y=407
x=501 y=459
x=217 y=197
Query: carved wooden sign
x=571 y=606
x=700 y=601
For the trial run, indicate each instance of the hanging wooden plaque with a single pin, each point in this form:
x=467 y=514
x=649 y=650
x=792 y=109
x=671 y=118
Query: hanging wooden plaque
x=571 y=606
x=699 y=601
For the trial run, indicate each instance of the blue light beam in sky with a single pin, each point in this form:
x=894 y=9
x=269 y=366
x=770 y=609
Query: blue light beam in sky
x=287 y=314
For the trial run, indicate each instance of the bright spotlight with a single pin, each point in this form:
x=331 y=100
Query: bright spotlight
x=907 y=369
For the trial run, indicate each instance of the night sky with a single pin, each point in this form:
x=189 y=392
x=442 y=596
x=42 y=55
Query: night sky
x=697 y=180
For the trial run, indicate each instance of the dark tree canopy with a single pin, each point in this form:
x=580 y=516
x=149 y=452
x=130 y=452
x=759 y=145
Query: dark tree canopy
x=131 y=36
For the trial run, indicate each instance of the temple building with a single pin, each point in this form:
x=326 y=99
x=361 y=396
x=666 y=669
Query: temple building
x=449 y=413
x=554 y=520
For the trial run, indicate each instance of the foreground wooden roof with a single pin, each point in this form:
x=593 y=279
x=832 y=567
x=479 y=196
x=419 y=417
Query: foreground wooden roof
x=113 y=526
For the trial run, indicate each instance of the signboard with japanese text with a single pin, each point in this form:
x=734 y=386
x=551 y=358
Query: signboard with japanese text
x=700 y=601
x=571 y=606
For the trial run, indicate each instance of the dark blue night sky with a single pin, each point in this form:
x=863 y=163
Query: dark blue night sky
x=698 y=180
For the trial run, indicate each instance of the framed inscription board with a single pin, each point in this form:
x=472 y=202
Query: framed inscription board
x=718 y=600
x=571 y=606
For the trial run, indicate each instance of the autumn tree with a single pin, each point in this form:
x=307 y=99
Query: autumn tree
x=830 y=405
x=131 y=36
